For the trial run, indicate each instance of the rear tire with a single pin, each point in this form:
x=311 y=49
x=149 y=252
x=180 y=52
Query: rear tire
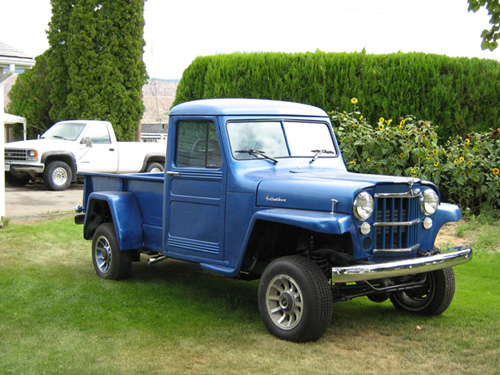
x=154 y=168
x=295 y=300
x=109 y=261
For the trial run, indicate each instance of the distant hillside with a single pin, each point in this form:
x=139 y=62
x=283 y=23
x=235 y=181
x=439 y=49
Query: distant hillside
x=158 y=97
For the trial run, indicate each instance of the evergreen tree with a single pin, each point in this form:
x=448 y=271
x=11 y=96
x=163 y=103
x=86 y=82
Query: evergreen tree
x=30 y=98
x=96 y=66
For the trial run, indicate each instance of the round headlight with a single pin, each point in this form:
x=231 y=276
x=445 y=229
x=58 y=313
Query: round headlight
x=363 y=206
x=430 y=202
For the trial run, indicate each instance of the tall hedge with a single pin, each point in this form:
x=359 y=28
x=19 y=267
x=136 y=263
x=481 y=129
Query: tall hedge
x=457 y=94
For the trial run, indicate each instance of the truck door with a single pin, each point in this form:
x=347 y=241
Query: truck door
x=97 y=153
x=195 y=192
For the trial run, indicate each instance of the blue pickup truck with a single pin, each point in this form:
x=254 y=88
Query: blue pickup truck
x=258 y=189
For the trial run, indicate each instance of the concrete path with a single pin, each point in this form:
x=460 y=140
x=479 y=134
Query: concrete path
x=37 y=200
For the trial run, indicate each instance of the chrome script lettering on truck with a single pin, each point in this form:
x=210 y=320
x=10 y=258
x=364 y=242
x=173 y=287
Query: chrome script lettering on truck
x=69 y=148
x=258 y=189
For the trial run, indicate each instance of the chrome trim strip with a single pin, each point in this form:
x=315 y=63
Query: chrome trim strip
x=396 y=223
x=403 y=250
x=407 y=194
x=402 y=267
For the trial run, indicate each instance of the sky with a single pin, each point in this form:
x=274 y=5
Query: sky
x=178 y=31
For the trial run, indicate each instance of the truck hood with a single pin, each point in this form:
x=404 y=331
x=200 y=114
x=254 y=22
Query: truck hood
x=40 y=144
x=316 y=190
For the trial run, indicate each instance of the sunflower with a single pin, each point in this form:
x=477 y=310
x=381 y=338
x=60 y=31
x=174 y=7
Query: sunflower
x=354 y=100
x=496 y=171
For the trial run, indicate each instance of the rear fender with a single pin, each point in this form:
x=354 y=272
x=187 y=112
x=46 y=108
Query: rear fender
x=123 y=210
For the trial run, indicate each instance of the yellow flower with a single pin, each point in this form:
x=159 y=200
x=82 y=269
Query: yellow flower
x=354 y=100
x=496 y=171
x=436 y=164
x=435 y=152
x=352 y=162
x=381 y=119
x=462 y=173
x=401 y=123
x=380 y=126
x=455 y=161
x=401 y=155
x=368 y=159
x=462 y=159
x=361 y=118
x=389 y=122
x=467 y=141
x=413 y=171
x=428 y=157
x=469 y=163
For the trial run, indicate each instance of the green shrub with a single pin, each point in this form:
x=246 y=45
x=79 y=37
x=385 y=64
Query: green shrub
x=460 y=94
x=466 y=168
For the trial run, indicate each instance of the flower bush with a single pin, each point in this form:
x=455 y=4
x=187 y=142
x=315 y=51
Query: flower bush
x=467 y=169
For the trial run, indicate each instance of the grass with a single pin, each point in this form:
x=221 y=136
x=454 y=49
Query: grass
x=58 y=317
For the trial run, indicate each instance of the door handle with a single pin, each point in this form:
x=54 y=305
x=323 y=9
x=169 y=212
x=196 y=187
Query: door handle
x=172 y=173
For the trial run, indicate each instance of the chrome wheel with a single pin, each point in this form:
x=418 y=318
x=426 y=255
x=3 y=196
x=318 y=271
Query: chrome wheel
x=60 y=176
x=103 y=255
x=284 y=302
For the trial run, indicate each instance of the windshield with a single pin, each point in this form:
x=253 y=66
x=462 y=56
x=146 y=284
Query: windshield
x=278 y=139
x=68 y=131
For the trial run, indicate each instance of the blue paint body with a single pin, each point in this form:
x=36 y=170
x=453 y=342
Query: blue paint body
x=207 y=214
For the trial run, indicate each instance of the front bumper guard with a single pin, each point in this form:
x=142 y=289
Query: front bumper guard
x=402 y=267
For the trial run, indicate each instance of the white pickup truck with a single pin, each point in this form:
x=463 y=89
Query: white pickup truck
x=68 y=148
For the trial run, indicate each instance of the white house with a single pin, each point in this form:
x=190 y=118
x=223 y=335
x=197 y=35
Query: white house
x=10 y=61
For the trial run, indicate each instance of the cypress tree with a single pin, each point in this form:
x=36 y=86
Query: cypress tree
x=96 y=66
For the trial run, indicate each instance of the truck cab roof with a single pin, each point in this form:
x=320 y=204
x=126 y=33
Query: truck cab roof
x=233 y=106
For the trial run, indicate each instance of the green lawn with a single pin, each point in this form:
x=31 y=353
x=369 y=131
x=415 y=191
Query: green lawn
x=58 y=317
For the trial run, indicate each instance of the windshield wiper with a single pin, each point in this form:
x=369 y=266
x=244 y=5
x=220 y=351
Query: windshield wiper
x=259 y=153
x=318 y=153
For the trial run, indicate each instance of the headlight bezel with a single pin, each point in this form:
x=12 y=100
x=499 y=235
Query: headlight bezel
x=363 y=206
x=429 y=202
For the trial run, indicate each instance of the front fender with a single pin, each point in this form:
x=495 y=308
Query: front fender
x=316 y=221
x=446 y=213
x=125 y=214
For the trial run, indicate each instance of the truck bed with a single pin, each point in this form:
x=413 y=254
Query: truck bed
x=148 y=190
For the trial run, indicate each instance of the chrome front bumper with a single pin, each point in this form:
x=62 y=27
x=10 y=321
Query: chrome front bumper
x=401 y=267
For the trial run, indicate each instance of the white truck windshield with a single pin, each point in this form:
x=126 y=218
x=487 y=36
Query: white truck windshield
x=68 y=131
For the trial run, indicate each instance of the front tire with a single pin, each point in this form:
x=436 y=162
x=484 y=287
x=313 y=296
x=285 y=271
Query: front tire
x=295 y=300
x=431 y=299
x=109 y=261
x=57 y=175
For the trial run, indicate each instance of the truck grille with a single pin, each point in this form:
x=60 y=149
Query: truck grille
x=397 y=222
x=16 y=155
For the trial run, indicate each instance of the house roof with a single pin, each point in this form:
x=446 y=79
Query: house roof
x=10 y=55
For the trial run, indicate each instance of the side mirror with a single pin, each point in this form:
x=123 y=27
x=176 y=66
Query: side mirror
x=88 y=142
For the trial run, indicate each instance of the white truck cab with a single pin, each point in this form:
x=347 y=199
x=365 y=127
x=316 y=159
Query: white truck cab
x=71 y=147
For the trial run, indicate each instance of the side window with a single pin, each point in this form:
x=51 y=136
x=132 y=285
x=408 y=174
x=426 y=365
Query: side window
x=98 y=134
x=197 y=145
